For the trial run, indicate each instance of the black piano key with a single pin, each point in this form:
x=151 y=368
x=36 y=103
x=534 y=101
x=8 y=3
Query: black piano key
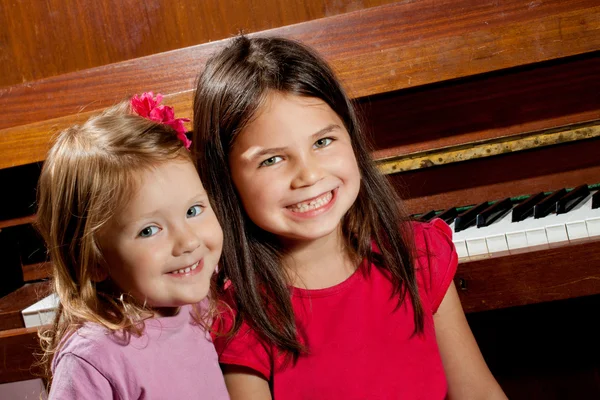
x=525 y=209
x=596 y=200
x=571 y=199
x=493 y=212
x=467 y=218
x=449 y=215
x=12 y=274
x=548 y=205
x=427 y=216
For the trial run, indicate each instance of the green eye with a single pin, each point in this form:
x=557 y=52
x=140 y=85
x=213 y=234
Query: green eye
x=270 y=161
x=149 y=231
x=194 y=211
x=323 y=142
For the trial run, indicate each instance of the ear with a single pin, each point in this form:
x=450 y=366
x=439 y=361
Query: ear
x=99 y=273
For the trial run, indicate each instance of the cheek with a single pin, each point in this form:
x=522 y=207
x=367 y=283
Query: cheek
x=119 y=270
x=253 y=185
x=346 y=165
x=214 y=239
x=352 y=165
x=257 y=192
x=125 y=263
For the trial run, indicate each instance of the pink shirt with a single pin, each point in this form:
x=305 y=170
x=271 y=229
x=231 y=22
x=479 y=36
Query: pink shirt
x=360 y=346
x=173 y=359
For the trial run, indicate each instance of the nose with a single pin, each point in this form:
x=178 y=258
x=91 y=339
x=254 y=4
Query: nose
x=307 y=172
x=185 y=239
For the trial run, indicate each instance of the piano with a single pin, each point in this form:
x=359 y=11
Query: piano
x=483 y=113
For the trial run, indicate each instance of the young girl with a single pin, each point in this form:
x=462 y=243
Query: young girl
x=134 y=243
x=332 y=296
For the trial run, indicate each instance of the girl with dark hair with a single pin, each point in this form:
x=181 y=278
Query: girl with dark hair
x=333 y=293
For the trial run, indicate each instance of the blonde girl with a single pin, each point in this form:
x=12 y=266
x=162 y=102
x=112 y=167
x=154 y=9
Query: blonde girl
x=133 y=244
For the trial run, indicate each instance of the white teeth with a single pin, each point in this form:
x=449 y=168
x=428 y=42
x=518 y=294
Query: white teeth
x=313 y=204
x=186 y=270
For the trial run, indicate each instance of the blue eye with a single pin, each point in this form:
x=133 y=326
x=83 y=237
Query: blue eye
x=149 y=231
x=323 y=142
x=194 y=211
x=271 y=161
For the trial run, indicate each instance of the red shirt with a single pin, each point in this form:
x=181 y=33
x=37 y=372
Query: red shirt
x=359 y=346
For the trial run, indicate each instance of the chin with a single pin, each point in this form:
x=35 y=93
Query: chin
x=199 y=296
x=311 y=234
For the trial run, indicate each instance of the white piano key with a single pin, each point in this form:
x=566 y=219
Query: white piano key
x=577 y=230
x=34 y=389
x=498 y=227
x=516 y=240
x=47 y=317
x=457 y=236
x=494 y=234
x=575 y=222
x=461 y=248
x=593 y=226
x=42 y=312
x=556 y=233
x=496 y=243
x=477 y=246
x=31 y=319
x=516 y=237
x=592 y=220
x=536 y=236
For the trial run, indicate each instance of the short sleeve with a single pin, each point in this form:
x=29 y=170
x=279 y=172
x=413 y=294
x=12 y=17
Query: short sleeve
x=75 y=378
x=436 y=261
x=244 y=348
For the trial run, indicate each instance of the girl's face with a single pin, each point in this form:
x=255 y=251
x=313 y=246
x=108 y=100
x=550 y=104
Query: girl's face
x=295 y=169
x=164 y=245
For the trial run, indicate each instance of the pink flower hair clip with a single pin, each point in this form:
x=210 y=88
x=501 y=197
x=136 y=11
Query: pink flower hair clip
x=149 y=107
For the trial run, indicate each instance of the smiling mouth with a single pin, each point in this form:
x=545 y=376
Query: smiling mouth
x=186 y=269
x=312 y=204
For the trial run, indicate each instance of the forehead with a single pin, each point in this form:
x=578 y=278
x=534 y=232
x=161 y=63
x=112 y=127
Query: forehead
x=284 y=115
x=161 y=188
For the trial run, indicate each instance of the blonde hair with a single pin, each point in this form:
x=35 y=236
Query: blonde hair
x=90 y=171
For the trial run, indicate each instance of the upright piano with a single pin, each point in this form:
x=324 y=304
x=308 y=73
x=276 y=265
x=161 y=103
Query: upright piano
x=483 y=113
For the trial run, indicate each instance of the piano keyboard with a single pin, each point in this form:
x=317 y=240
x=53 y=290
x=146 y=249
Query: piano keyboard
x=42 y=312
x=551 y=218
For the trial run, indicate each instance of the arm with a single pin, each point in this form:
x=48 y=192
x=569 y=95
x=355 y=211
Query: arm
x=467 y=373
x=244 y=383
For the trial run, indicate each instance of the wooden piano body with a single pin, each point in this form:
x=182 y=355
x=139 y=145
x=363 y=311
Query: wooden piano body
x=466 y=102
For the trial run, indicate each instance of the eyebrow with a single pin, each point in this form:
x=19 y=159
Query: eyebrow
x=200 y=196
x=326 y=130
x=264 y=152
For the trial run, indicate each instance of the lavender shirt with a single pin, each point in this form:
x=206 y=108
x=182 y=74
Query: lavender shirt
x=173 y=359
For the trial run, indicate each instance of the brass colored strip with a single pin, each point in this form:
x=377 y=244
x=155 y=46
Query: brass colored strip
x=488 y=148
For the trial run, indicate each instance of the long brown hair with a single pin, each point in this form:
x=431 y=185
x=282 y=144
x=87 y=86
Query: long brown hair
x=89 y=172
x=232 y=87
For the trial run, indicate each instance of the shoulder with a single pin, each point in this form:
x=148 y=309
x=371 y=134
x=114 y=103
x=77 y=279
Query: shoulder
x=84 y=364
x=433 y=233
x=84 y=341
x=242 y=347
x=436 y=260
x=433 y=241
x=93 y=344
